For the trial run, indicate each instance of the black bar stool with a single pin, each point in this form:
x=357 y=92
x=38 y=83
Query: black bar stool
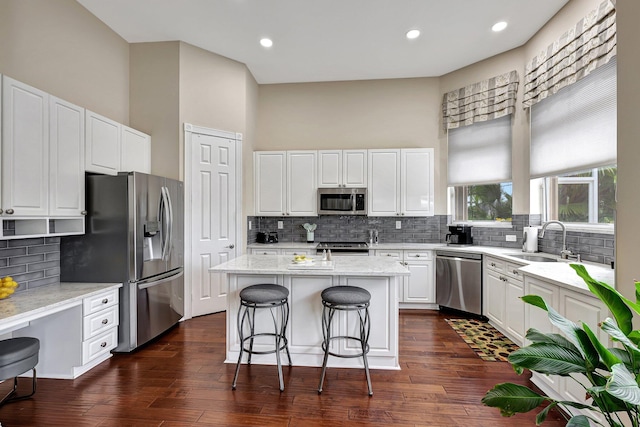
x=346 y=298
x=17 y=356
x=276 y=299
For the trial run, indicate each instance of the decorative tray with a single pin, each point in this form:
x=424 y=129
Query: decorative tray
x=313 y=265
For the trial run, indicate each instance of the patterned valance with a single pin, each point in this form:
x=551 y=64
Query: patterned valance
x=582 y=49
x=486 y=100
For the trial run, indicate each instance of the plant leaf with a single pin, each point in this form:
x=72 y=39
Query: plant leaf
x=548 y=358
x=622 y=384
x=610 y=327
x=611 y=297
x=542 y=415
x=512 y=399
x=608 y=358
x=535 y=335
x=535 y=300
x=578 y=421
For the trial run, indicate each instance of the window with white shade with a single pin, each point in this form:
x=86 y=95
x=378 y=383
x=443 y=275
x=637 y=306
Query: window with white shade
x=479 y=171
x=573 y=149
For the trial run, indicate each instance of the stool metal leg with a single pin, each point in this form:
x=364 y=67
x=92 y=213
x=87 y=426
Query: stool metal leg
x=327 y=317
x=242 y=312
x=285 y=314
x=365 y=328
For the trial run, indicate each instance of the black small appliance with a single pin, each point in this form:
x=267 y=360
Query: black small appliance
x=267 y=237
x=459 y=235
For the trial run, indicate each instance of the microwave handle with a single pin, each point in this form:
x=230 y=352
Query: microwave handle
x=353 y=202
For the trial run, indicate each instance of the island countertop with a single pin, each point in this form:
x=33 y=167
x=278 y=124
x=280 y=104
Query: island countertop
x=342 y=266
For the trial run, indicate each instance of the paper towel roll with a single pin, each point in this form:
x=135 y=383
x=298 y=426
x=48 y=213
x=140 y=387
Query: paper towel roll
x=530 y=239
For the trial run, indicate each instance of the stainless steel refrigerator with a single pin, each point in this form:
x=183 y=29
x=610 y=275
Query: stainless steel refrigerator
x=134 y=235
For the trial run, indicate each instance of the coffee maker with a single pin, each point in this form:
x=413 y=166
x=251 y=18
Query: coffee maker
x=459 y=235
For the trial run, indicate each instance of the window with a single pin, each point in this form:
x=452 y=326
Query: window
x=488 y=202
x=582 y=197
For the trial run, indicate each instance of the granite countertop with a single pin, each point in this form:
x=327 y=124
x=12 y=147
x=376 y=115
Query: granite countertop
x=343 y=266
x=47 y=298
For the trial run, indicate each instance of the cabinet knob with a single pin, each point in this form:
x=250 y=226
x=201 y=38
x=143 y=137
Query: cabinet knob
x=83 y=213
x=492 y=264
x=417 y=255
x=105 y=321
x=1 y=211
x=106 y=300
x=9 y=211
x=515 y=271
x=103 y=344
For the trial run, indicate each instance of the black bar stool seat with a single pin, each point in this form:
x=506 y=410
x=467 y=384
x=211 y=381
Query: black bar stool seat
x=17 y=356
x=263 y=296
x=346 y=298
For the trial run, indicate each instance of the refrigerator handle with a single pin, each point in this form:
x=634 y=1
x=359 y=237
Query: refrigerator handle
x=144 y=284
x=169 y=223
x=165 y=219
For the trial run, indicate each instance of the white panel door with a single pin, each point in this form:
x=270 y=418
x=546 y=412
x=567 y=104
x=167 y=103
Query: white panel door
x=384 y=182
x=66 y=158
x=214 y=216
x=416 y=186
x=25 y=149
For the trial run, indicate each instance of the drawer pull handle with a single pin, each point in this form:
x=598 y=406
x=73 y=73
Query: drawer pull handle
x=493 y=264
x=106 y=300
x=516 y=272
x=103 y=344
x=105 y=321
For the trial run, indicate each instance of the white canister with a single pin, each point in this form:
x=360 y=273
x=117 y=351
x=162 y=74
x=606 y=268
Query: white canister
x=530 y=239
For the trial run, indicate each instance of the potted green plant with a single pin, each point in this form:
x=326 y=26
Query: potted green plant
x=612 y=373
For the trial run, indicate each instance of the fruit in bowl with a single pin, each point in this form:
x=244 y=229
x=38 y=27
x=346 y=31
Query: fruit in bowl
x=7 y=287
x=300 y=258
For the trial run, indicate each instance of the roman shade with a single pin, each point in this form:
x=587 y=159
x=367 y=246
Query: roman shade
x=585 y=47
x=486 y=100
x=575 y=129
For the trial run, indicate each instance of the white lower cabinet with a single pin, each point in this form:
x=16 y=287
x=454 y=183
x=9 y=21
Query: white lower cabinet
x=274 y=251
x=100 y=326
x=417 y=290
x=576 y=306
x=502 y=304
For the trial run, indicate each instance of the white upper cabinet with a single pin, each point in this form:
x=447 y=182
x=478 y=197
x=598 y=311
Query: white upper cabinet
x=135 y=152
x=400 y=182
x=384 y=182
x=102 y=144
x=66 y=158
x=25 y=149
x=285 y=183
x=302 y=184
x=342 y=168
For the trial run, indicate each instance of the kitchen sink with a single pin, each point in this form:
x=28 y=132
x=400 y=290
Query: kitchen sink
x=534 y=258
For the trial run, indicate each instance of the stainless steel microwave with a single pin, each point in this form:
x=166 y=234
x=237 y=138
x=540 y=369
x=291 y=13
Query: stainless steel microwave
x=342 y=201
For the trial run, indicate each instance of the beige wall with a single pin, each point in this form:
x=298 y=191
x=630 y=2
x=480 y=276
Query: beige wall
x=628 y=212
x=154 y=102
x=61 y=48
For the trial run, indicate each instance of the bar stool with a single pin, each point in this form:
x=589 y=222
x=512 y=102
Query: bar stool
x=346 y=298
x=17 y=356
x=276 y=299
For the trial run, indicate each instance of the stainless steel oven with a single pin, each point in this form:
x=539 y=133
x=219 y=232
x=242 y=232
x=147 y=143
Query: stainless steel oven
x=342 y=201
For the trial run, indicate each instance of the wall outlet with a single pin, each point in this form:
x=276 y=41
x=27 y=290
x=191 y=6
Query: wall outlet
x=249 y=225
x=511 y=238
x=280 y=225
x=398 y=225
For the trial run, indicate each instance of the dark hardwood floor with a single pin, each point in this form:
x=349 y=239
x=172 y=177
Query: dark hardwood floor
x=181 y=380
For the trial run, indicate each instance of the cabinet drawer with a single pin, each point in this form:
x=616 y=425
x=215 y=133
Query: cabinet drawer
x=512 y=271
x=99 y=302
x=298 y=252
x=418 y=255
x=265 y=252
x=391 y=254
x=96 y=323
x=495 y=264
x=99 y=345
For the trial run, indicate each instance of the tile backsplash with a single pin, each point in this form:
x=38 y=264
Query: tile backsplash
x=593 y=247
x=31 y=262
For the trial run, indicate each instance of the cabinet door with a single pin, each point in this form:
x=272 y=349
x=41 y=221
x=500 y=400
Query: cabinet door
x=135 y=151
x=419 y=286
x=330 y=168
x=354 y=168
x=384 y=182
x=514 y=310
x=495 y=297
x=270 y=173
x=416 y=182
x=66 y=158
x=302 y=184
x=25 y=149
x=102 y=144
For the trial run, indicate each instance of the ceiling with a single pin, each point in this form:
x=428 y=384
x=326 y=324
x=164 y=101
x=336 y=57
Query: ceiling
x=332 y=40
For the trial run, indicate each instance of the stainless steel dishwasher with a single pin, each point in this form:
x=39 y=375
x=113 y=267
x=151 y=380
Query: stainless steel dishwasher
x=459 y=281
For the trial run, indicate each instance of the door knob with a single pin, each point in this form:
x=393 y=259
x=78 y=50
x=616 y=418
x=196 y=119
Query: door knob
x=9 y=211
x=231 y=246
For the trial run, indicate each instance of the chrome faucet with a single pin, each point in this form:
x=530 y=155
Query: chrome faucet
x=564 y=253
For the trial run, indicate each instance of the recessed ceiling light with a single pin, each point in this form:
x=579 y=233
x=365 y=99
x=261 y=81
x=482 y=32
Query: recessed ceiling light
x=499 y=26
x=413 y=34
x=266 y=42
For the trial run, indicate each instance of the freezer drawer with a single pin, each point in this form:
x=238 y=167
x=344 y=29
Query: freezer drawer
x=160 y=305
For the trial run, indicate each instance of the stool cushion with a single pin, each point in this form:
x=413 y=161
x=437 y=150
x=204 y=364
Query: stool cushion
x=264 y=293
x=346 y=295
x=17 y=356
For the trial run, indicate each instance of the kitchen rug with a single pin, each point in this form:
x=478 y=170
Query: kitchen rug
x=485 y=340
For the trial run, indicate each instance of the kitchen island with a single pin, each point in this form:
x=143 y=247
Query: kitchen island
x=305 y=282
